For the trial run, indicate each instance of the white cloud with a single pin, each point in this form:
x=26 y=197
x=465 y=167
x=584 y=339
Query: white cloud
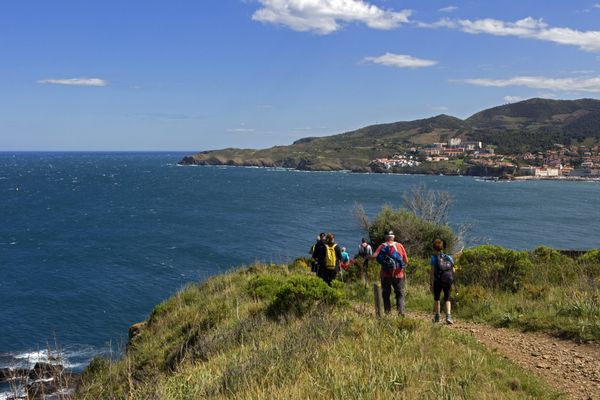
x=579 y=84
x=513 y=99
x=241 y=130
x=400 y=61
x=533 y=29
x=75 y=82
x=448 y=9
x=597 y=5
x=326 y=16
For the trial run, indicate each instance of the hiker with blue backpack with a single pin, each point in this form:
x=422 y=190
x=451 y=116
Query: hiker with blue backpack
x=392 y=257
x=441 y=277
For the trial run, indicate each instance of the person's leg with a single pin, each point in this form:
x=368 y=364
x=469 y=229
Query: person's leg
x=399 y=294
x=447 y=304
x=386 y=290
x=437 y=289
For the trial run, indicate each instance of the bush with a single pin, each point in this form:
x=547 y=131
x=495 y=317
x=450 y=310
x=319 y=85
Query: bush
x=494 y=267
x=355 y=271
x=550 y=266
x=302 y=293
x=590 y=264
x=416 y=234
x=265 y=287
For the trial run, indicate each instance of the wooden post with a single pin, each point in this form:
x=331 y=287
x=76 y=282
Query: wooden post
x=377 y=296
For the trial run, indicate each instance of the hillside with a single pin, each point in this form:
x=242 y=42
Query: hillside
x=221 y=340
x=535 y=124
x=278 y=332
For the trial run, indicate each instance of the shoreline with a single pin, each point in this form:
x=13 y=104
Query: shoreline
x=346 y=171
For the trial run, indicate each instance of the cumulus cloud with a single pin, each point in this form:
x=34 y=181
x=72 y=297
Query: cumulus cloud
x=448 y=9
x=513 y=99
x=533 y=29
x=75 y=82
x=400 y=61
x=578 y=84
x=327 y=16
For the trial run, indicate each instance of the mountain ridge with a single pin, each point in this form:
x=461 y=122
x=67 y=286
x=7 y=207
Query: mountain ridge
x=530 y=125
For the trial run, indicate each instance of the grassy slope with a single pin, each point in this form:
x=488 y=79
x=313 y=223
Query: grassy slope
x=215 y=340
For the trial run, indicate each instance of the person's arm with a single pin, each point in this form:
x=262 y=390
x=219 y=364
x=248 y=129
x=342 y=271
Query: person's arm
x=433 y=262
x=374 y=255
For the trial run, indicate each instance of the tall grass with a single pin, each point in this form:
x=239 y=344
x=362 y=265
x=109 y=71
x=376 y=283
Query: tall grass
x=218 y=340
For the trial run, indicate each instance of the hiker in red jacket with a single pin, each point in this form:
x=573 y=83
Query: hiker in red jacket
x=392 y=277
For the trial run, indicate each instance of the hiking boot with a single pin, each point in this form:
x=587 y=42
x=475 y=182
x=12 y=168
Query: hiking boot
x=436 y=318
x=449 y=320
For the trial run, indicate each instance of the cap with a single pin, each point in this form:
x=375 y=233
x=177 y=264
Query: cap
x=389 y=233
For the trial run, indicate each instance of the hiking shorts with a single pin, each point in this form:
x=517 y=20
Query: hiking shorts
x=438 y=287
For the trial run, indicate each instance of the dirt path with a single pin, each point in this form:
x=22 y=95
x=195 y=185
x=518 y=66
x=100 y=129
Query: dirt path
x=569 y=367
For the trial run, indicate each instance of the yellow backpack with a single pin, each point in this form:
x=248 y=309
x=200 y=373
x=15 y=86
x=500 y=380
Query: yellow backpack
x=330 y=258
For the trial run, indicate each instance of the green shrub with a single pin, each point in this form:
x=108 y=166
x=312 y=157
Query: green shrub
x=302 y=293
x=356 y=270
x=417 y=271
x=550 y=266
x=265 y=286
x=535 y=292
x=300 y=264
x=416 y=234
x=590 y=263
x=494 y=267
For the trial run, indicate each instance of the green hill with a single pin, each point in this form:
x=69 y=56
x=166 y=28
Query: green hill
x=276 y=332
x=530 y=125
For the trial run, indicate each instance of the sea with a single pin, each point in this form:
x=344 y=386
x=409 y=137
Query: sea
x=91 y=242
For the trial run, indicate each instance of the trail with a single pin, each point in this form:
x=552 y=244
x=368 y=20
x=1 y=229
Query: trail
x=568 y=366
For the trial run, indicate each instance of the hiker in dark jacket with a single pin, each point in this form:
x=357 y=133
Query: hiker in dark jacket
x=441 y=277
x=328 y=256
x=314 y=266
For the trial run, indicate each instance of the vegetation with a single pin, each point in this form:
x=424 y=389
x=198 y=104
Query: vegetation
x=277 y=331
x=530 y=125
x=218 y=340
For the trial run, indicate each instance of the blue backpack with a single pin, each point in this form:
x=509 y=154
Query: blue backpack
x=389 y=258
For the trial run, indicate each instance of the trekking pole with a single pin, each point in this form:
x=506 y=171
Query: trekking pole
x=377 y=295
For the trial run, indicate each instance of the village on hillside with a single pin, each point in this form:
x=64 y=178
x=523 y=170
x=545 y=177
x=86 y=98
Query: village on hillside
x=560 y=161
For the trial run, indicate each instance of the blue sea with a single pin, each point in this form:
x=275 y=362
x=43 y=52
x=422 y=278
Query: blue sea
x=91 y=242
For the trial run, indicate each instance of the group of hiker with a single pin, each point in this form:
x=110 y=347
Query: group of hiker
x=328 y=259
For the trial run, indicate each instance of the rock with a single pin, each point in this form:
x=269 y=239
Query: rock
x=136 y=329
x=7 y=374
x=45 y=371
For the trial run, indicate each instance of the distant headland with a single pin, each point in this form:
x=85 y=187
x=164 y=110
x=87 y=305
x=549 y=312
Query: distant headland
x=531 y=139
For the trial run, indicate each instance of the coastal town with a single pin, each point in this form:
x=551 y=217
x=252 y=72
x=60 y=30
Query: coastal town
x=559 y=162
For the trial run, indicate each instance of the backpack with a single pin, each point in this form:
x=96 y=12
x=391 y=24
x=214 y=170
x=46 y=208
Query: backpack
x=390 y=259
x=445 y=269
x=330 y=257
x=362 y=251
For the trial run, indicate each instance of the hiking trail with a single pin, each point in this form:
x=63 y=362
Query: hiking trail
x=568 y=366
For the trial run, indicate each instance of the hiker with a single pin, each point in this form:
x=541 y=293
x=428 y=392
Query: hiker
x=441 y=277
x=345 y=260
x=314 y=265
x=328 y=256
x=393 y=258
x=364 y=251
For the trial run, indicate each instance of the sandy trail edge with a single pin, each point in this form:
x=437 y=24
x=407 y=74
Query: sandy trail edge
x=570 y=367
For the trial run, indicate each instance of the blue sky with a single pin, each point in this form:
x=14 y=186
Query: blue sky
x=195 y=75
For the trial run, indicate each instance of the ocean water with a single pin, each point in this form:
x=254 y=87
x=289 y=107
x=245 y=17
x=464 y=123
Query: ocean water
x=90 y=243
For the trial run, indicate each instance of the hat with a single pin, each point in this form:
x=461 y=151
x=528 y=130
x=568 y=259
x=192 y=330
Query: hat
x=389 y=233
